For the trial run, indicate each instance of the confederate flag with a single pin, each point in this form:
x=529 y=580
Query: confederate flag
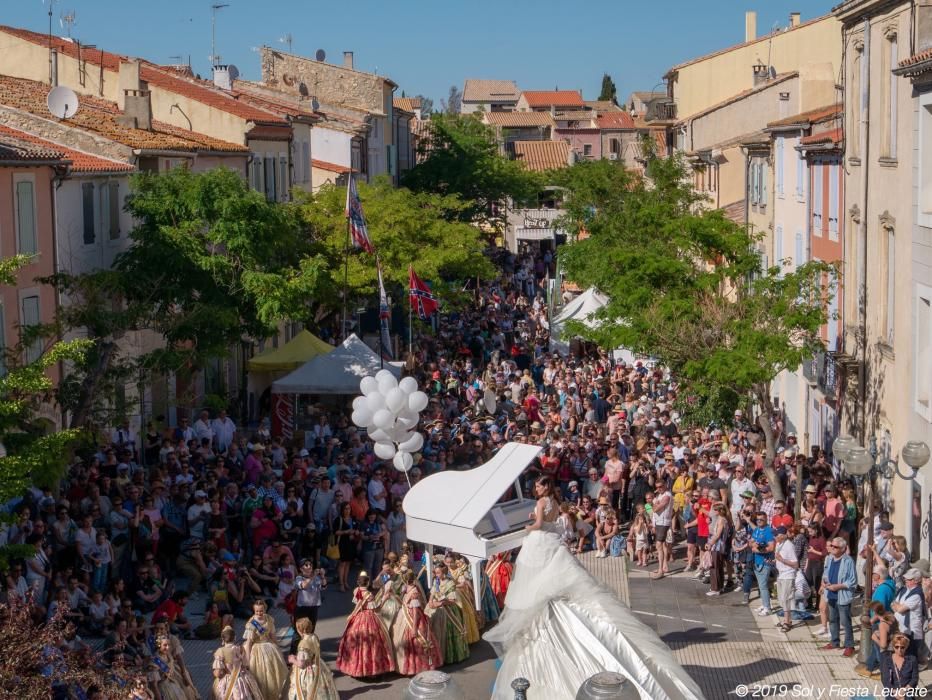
x=423 y=302
x=357 y=221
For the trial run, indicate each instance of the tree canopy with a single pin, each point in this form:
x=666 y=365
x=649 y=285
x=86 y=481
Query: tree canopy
x=609 y=92
x=462 y=157
x=685 y=283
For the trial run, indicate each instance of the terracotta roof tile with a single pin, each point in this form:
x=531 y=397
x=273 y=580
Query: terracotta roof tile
x=166 y=78
x=99 y=116
x=16 y=146
x=517 y=119
x=408 y=104
x=835 y=136
x=813 y=116
x=916 y=58
x=543 y=155
x=602 y=105
x=615 y=120
x=557 y=98
x=331 y=167
x=81 y=161
x=735 y=211
x=476 y=90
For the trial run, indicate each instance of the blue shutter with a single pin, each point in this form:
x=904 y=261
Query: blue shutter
x=780 y=166
x=800 y=173
x=833 y=200
x=26 y=218
x=817 y=199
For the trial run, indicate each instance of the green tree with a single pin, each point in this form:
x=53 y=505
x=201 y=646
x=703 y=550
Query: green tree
x=462 y=157
x=30 y=454
x=609 y=93
x=451 y=105
x=212 y=263
x=406 y=227
x=685 y=285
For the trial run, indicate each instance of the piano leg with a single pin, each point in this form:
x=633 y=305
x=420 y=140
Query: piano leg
x=476 y=566
x=430 y=568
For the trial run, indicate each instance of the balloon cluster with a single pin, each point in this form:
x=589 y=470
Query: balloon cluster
x=389 y=410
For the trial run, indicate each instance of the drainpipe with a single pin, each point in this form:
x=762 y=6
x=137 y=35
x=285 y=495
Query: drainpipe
x=862 y=239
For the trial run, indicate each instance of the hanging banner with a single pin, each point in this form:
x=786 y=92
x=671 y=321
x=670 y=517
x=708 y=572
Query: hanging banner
x=283 y=416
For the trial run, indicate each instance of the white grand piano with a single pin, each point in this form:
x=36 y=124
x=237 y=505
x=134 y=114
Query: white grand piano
x=460 y=510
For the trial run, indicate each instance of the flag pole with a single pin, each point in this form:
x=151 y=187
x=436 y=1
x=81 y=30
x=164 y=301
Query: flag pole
x=378 y=265
x=410 y=316
x=349 y=184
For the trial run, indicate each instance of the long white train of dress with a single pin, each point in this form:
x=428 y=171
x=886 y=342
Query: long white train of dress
x=560 y=626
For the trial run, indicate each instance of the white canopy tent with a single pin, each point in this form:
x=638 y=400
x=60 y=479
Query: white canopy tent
x=581 y=309
x=337 y=372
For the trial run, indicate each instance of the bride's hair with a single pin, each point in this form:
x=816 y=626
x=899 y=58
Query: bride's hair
x=547 y=483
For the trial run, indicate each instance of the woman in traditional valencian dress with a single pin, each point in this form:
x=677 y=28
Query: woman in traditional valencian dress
x=465 y=597
x=232 y=679
x=162 y=629
x=490 y=607
x=446 y=618
x=500 y=570
x=416 y=645
x=311 y=678
x=170 y=682
x=388 y=599
x=365 y=647
x=265 y=660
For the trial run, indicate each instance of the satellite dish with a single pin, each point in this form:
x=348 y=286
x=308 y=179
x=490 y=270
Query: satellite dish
x=233 y=71
x=488 y=400
x=62 y=102
x=320 y=55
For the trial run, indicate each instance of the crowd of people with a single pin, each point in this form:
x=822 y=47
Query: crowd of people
x=249 y=520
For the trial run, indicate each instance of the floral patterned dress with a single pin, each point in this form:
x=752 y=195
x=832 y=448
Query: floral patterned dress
x=490 y=607
x=311 y=678
x=446 y=620
x=265 y=660
x=389 y=605
x=232 y=679
x=365 y=647
x=168 y=678
x=416 y=645
x=464 y=598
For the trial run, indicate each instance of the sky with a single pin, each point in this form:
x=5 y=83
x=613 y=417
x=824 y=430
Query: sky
x=426 y=46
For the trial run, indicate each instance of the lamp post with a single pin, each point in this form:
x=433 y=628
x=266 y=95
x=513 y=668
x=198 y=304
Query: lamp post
x=862 y=462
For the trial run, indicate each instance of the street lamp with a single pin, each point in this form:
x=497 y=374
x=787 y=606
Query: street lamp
x=862 y=462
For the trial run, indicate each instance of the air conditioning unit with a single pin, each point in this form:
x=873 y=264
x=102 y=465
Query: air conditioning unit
x=613 y=156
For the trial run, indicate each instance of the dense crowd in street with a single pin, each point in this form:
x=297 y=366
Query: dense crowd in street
x=207 y=506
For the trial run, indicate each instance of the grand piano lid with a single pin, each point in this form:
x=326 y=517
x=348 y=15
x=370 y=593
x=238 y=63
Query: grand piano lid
x=464 y=498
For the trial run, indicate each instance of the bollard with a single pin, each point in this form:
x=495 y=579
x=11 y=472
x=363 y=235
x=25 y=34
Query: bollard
x=435 y=685
x=608 y=686
x=520 y=686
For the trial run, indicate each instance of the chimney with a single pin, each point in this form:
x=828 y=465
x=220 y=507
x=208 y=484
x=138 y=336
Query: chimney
x=222 y=78
x=794 y=19
x=348 y=59
x=761 y=73
x=750 y=25
x=128 y=79
x=137 y=110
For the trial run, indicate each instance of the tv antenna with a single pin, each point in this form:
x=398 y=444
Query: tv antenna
x=51 y=4
x=214 y=57
x=286 y=39
x=68 y=19
x=62 y=102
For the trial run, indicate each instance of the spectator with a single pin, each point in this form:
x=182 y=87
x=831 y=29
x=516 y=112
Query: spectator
x=838 y=582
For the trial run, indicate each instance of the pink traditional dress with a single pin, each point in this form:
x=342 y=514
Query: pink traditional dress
x=365 y=647
x=416 y=645
x=232 y=679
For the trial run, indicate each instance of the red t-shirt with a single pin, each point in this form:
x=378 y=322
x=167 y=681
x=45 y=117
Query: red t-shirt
x=784 y=520
x=169 y=610
x=703 y=506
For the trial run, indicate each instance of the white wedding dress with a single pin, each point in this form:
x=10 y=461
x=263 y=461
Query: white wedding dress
x=560 y=626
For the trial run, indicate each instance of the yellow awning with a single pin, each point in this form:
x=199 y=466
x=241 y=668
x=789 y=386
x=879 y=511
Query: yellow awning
x=303 y=347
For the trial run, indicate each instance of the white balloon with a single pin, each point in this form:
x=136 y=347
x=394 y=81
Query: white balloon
x=417 y=402
x=359 y=402
x=367 y=385
x=401 y=434
x=375 y=401
x=383 y=419
x=408 y=385
x=407 y=419
x=412 y=444
x=362 y=417
x=384 y=450
x=379 y=435
x=396 y=400
x=402 y=461
x=386 y=380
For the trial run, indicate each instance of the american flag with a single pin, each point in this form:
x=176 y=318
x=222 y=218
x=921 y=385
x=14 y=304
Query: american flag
x=385 y=315
x=422 y=299
x=357 y=221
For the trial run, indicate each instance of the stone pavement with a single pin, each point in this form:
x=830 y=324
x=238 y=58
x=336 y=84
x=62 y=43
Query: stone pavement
x=723 y=644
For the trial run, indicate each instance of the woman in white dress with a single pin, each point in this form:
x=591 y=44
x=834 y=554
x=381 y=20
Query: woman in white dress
x=560 y=626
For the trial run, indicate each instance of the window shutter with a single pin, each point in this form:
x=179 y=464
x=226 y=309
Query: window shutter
x=798 y=258
x=283 y=187
x=104 y=211
x=87 y=197
x=778 y=247
x=26 y=217
x=114 y=210
x=780 y=166
x=833 y=199
x=30 y=317
x=800 y=172
x=817 y=198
